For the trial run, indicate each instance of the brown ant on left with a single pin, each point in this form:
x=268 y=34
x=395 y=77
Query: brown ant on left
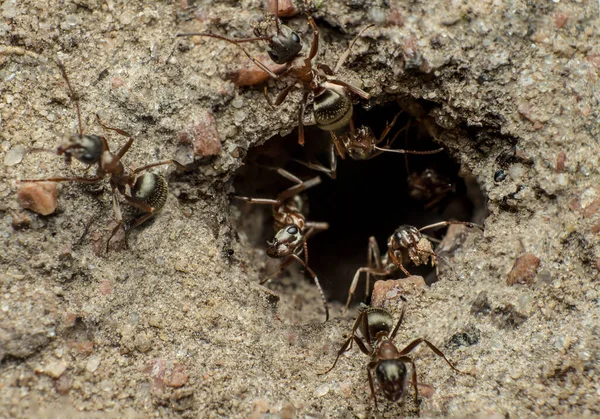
x=147 y=191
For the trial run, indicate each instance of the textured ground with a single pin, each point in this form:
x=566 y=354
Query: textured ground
x=179 y=327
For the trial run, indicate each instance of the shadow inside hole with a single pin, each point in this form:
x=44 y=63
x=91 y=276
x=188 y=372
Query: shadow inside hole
x=368 y=198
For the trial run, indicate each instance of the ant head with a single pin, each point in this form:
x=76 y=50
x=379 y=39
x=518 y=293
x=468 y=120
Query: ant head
x=286 y=242
x=87 y=149
x=392 y=377
x=332 y=107
x=404 y=237
x=152 y=189
x=285 y=45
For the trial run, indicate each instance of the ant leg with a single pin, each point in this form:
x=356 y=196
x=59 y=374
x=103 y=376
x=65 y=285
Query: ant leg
x=376 y=272
x=299 y=186
x=280 y=97
x=373 y=251
x=395 y=331
x=237 y=42
x=346 y=53
x=445 y=223
x=331 y=171
x=118 y=217
x=411 y=346
x=260 y=201
x=353 y=89
x=126 y=147
x=317 y=283
x=66 y=179
x=72 y=93
x=407 y=359
x=301 y=118
x=314 y=227
x=398 y=263
x=401 y=151
x=370 y=366
x=159 y=163
x=283 y=265
x=314 y=46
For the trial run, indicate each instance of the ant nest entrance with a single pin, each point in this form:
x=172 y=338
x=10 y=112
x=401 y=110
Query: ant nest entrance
x=367 y=198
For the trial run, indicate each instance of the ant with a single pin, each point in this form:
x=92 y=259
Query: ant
x=292 y=229
x=389 y=363
x=361 y=144
x=429 y=185
x=148 y=191
x=332 y=107
x=406 y=244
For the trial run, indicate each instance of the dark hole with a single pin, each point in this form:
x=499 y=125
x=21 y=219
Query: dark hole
x=368 y=198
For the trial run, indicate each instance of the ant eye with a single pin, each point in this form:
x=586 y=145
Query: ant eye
x=273 y=55
x=292 y=230
x=295 y=38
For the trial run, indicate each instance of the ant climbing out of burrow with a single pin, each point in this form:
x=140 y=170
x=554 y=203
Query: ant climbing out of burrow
x=377 y=330
x=292 y=228
x=407 y=244
x=361 y=144
x=329 y=93
x=147 y=191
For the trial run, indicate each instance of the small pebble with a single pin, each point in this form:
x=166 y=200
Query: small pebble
x=394 y=289
x=203 y=136
x=55 y=369
x=14 y=156
x=322 y=390
x=93 y=363
x=177 y=377
x=40 y=197
x=524 y=270
x=143 y=342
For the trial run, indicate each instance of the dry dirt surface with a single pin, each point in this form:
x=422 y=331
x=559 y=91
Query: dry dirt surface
x=177 y=325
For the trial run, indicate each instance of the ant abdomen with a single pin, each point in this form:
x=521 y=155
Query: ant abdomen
x=151 y=189
x=378 y=320
x=332 y=109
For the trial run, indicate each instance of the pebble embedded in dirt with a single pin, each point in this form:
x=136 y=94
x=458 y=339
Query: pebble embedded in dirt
x=481 y=304
x=14 y=156
x=40 y=197
x=524 y=270
x=385 y=291
x=203 y=135
x=469 y=336
x=19 y=219
x=55 y=369
x=507 y=317
x=249 y=74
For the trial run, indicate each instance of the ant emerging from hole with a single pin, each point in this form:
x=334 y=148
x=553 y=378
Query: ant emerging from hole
x=292 y=229
x=361 y=144
x=332 y=107
x=147 y=192
x=407 y=244
x=389 y=363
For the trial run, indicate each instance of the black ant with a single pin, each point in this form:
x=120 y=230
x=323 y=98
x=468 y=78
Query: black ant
x=148 y=191
x=361 y=144
x=332 y=107
x=407 y=244
x=292 y=229
x=389 y=363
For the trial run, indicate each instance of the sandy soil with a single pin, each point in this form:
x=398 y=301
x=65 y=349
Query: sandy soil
x=177 y=326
